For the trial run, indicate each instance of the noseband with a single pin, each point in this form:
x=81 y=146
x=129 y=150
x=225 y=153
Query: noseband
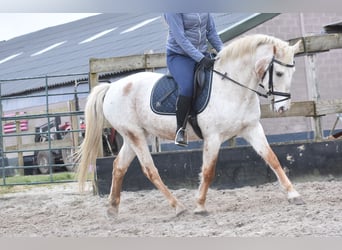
x=270 y=81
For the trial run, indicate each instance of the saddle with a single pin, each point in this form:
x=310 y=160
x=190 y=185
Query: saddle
x=165 y=92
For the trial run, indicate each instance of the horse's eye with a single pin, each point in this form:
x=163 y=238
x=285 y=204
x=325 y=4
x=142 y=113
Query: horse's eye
x=279 y=74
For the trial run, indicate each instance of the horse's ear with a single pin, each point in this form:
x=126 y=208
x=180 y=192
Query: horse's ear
x=261 y=66
x=297 y=46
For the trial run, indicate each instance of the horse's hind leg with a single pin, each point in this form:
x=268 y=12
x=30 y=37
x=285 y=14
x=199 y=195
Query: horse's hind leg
x=256 y=137
x=139 y=145
x=120 y=166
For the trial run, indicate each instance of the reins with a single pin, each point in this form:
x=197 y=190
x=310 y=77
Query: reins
x=270 y=81
x=224 y=76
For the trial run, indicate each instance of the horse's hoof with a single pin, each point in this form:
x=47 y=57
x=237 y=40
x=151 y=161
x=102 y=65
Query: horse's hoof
x=296 y=201
x=200 y=210
x=113 y=212
x=180 y=209
x=203 y=212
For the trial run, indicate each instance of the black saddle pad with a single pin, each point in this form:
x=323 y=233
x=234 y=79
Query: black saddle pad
x=165 y=91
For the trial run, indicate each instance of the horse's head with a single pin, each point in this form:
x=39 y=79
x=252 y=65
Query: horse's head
x=274 y=68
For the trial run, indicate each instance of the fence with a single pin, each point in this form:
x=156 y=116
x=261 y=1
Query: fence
x=42 y=129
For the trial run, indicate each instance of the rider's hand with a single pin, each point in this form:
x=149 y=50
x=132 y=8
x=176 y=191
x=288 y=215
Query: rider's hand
x=207 y=62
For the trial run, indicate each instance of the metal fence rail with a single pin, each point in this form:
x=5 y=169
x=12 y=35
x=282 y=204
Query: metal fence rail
x=23 y=144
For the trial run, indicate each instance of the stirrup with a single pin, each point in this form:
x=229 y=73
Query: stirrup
x=181 y=138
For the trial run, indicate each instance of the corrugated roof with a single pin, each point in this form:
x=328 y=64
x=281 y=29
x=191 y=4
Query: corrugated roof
x=67 y=48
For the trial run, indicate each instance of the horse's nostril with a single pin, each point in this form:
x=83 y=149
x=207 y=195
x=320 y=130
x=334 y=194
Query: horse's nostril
x=281 y=109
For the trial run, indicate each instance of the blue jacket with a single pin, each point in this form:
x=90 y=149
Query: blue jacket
x=189 y=32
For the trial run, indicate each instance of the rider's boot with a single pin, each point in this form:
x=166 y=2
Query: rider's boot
x=182 y=112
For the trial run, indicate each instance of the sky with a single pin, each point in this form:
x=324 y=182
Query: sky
x=17 y=24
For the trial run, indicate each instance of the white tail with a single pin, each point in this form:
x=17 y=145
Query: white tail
x=91 y=146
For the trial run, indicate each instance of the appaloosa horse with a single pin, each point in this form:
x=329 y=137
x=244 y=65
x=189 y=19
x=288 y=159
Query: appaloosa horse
x=233 y=110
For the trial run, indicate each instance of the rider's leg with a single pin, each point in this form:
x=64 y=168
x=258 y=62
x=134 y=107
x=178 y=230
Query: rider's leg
x=182 y=69
x=182 y=112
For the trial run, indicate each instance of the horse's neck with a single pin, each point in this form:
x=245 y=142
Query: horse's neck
x=240 y=72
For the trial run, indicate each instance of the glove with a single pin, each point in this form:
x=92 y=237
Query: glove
x=206 y=62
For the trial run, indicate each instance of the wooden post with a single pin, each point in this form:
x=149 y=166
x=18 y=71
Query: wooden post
x=156 y=147
x=232 y=142
x=314 y=93
x=155 y=144
x=93 y=80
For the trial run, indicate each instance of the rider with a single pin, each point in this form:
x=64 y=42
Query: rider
x=187 y=47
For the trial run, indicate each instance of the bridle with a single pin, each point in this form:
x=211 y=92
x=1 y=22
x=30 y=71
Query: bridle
x=270 y=91
x=270 y=80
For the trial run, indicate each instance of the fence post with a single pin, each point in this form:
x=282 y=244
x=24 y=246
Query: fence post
x=93 y=80
x=2 y=155
x=74 y=124
x=314 y=94
x=19 y=146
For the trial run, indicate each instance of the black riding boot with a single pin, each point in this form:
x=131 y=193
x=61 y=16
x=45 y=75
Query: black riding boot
x=182 y=111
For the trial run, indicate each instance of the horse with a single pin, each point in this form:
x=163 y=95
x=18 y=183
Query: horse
x=233 y=110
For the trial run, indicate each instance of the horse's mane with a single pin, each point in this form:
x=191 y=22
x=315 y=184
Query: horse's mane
x=249 y=44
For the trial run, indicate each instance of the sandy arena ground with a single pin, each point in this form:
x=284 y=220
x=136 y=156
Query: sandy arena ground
x=59 y=210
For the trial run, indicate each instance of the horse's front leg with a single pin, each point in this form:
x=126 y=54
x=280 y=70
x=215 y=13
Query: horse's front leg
x=256 y=137
x=211 y=149
x=120 y=166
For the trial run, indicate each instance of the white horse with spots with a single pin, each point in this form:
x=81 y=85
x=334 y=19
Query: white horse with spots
x=233 y=110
